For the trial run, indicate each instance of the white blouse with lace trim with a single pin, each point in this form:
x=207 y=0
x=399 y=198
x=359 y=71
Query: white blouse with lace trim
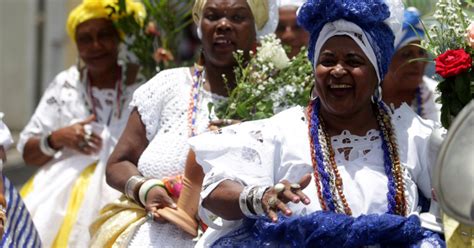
x=163 y=104
x=267 y=151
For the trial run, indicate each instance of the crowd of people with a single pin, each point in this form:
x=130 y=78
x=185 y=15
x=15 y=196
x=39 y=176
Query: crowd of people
x=127 y=163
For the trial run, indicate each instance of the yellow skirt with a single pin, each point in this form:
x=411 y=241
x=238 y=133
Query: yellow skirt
x=76 y=198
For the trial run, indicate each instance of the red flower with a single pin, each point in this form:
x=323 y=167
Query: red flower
x=162 y=55
x=453 y=62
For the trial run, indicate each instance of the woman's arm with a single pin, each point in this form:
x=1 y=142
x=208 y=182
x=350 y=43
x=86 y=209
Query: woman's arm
x=73 y=137
x=123 y=161
x=224 y=199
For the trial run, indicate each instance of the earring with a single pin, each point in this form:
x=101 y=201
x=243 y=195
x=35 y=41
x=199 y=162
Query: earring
x=312 y=95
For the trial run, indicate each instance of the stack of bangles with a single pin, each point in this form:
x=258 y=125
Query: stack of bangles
x=3 y=210
x=250 y=201
x=138 y=187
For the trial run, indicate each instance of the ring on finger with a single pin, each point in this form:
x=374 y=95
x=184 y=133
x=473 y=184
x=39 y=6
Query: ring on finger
x=227 y=121
x=295 y=186
x=87 y=137
x=279 y=187
x=272 y=202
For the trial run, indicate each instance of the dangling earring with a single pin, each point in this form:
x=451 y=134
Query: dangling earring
x=312 y=96
x=377 y=96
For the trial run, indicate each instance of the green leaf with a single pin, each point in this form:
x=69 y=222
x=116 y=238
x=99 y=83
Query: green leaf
x=462 y=88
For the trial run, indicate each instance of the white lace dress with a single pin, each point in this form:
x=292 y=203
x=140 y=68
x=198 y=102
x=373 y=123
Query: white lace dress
x=163 y=104
x=268 y=151
x=48 y=193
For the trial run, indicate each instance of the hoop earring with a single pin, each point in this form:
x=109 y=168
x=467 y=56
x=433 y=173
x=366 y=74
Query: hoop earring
x=312 y=96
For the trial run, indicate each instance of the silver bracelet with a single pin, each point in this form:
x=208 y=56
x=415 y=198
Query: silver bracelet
x=243 y=202
x=132 y=186
x=257 y=200
x=45 y=147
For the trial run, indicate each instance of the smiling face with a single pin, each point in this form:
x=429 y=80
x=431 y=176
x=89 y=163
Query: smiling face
x=97 y=42
x=345 y=78
x=227 y=26
x=288 y=30
x=405 y=74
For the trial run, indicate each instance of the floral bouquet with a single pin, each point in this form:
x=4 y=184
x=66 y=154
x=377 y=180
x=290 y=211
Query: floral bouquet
x=452 y=44
x=153 y=42
x=268 y=83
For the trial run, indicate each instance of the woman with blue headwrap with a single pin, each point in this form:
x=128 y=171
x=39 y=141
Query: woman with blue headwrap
x=405 y=80
x=343 y=172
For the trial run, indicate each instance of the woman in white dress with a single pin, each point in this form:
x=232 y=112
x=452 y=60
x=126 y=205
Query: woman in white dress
x=406 y=80
x=347 y=153
x=167 y=110
x=75 y=127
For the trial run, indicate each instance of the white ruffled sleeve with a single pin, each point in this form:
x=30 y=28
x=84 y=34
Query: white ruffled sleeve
x=151 y=97
x=251 y=153
x=46 y=117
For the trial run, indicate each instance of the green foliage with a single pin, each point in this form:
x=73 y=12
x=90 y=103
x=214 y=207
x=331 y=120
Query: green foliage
x=269 y=82
x=161 y=29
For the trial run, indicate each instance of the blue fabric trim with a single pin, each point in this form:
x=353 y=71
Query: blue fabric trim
x=19 y=228
x=328 y=229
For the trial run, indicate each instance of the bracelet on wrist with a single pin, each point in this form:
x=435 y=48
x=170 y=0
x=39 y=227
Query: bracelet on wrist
x=146 y=187
x=45 y=146
x=132 y=186
x=243 y=201
x=257 y=200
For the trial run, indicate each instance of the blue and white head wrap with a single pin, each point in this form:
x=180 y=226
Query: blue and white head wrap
x=372 y=24
x=412 y=28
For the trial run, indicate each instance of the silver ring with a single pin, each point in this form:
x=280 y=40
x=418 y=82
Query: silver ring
x=272 y=202
x=227 y=121
x=295 y=186
x=88 y=129
x=279 y=187
x=149 y=215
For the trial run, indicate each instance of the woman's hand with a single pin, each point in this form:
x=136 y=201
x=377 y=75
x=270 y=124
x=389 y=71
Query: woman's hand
x=276 y=197
x=216 y=124
x=158 y=198
x=78 y=137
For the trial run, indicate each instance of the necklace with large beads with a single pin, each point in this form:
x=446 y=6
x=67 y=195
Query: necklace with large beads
x=329 y=184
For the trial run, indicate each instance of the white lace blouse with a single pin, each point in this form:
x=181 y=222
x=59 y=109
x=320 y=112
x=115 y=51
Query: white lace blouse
x=163 y=104
x=267 y=151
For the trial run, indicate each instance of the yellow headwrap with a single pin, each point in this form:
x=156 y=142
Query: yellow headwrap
x=93 y=9
x=260 y=10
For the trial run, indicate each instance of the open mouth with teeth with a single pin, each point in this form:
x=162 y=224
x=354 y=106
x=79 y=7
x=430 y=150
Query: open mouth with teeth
x=340 y=90
x=340 y=86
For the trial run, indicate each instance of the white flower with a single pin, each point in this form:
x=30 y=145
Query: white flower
x=272 y=52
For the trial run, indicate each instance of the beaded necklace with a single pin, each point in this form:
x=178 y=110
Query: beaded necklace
x=328 y=181
x=198 y=82
x=119 y=99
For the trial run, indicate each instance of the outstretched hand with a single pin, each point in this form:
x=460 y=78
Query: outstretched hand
x=276 y=197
